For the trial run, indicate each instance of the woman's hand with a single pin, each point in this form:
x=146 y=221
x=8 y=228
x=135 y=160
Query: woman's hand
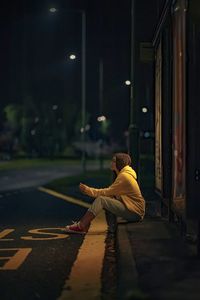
x=83 y=188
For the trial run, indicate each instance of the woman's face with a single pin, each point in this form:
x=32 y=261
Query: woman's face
x=113 y=164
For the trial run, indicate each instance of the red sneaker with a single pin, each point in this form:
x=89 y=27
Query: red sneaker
x=75 y=228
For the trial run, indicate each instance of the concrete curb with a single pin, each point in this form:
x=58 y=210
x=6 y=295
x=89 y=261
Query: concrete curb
x=127 y=285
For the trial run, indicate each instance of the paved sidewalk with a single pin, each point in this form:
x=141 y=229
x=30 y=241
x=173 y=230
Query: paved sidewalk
x=154 y=262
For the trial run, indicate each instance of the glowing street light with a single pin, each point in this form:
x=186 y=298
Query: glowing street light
x=87 y=127
x=101 y=119
x=53 y=10
x=144 y=110
x=33 y=132
x=127 y=82
x=72 y=56
x=147 y=134
x=55 y=107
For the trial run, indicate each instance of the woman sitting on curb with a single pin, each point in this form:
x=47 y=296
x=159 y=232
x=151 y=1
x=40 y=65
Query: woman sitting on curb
x=123 y=198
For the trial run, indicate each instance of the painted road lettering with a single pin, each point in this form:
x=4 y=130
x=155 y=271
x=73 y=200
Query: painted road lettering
x=4 y=233
x=14 y=262
x=44 y=231
x=39 y=231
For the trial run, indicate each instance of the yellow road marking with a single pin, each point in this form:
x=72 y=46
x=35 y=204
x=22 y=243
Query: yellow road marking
x=54 y=235
x=15 y=261
x=4 y=233
x=64 y=197
x=85 y=276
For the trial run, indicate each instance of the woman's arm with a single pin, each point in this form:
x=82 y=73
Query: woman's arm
x=116 y=189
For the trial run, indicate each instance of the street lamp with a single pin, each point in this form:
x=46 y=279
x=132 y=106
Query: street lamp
x=127 y=82
x=55 y=107
x=144 y=110
x=83 y=78
x=101 y=119
x=53 y=9
x=72 y=56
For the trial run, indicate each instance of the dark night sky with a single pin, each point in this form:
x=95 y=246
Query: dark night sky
x=34 y=47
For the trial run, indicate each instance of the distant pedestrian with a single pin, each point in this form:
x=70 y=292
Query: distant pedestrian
x=123 y=198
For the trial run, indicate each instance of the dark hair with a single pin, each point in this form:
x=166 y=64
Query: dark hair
x=122 y=160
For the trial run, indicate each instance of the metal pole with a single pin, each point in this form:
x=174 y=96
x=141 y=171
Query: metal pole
x=83 y=88
x=133 y=128
x=132 y=64
x=100 y=87
x=101 y=108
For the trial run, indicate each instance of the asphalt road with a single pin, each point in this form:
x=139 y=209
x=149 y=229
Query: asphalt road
x=32 y=177
x=35 y=255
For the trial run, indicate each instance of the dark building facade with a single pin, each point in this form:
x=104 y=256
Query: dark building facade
x=177 y=111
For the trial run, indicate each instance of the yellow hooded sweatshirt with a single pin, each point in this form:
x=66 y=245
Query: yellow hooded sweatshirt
x=126 y=187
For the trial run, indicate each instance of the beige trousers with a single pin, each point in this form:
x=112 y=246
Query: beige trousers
x=114 y=206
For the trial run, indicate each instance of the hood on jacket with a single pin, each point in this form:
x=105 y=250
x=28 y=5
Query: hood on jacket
x=130 y=171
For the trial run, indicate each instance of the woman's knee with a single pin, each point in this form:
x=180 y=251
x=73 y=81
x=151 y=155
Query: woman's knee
x=101 y=199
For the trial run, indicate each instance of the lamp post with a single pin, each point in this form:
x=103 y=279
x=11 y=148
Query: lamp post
x=83 y=79
x=133 y=128
x=83 y=86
